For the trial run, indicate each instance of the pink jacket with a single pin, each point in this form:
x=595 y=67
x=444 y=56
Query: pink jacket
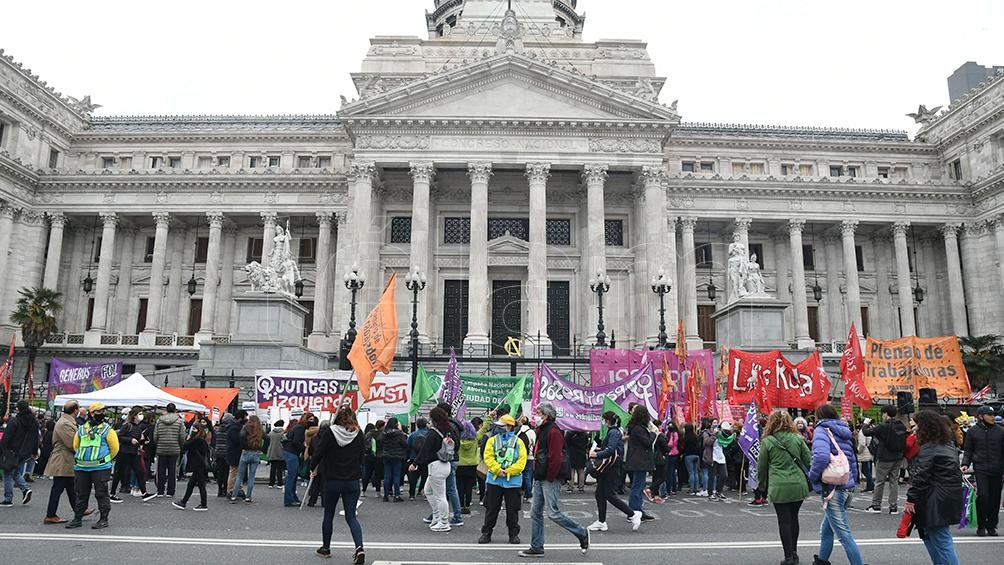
x=673 y=439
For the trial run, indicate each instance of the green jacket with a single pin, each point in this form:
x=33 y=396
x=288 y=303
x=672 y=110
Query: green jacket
x=469 y=452
x=777 y=469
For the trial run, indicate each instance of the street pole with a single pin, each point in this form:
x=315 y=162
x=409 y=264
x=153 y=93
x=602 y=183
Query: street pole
x=354 y=282
x=600 y=284
x=661 y=284
x=415 y=282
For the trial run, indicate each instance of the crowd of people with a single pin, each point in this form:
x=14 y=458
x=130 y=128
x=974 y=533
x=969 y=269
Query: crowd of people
x=508 y=462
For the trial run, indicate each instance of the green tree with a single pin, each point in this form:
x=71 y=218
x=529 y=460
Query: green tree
x=35 y=312
x=983 y=356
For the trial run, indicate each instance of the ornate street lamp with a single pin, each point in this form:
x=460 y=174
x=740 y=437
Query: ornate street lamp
x=918 y=293
x=354 y=281
x=600 y=284
x=817 y=291
x=298 y=288
x=192 y=283
x=415 y=282
x=298 y=285
x=661 y=285
x=88 y=282
x=712 y=289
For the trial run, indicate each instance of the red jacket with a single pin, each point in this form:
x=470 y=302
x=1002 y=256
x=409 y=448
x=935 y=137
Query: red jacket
x=554 y=441
x=911 y=447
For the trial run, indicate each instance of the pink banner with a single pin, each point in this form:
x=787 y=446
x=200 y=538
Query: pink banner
x=608 y=366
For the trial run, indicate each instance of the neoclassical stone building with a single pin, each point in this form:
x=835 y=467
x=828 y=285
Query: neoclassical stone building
x=510 y=160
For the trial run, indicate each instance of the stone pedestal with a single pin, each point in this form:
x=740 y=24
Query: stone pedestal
x=270 y=318
x=752 y=324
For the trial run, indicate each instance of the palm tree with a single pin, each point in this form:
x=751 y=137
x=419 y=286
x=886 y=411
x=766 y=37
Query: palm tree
x=36 y=313
x=983 y=356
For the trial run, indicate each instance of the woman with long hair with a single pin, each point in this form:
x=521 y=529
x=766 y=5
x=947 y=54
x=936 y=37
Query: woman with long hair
x=831 y=433
x=291 y=451
x=692 y=458
x=338 y=457
x=198 y=463
x=435 y=485
x=784 y=458
x=395 y=451
x=935 y=495
x=252 y=438
x=610 y=450
x=639 y=461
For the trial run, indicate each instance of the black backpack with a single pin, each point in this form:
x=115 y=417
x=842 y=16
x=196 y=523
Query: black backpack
x=896 y=440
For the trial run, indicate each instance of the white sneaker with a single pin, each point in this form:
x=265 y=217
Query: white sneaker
x=440 y=527
x=636 y=520
x=597 y=526
x=135 y=492
x=703 y=493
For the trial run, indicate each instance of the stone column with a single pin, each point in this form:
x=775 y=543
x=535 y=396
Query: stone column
x=798 y=297
x=7 y=213
x=212 y=278
x=904 y=288
x=478 y=292
x=672 y=297
x=57 y=221
x=885 y=314
x=782 y=252
x=847 y=229
x=657 y=259
x=595 y=177
x=323 y=268
x=155 y=294
x=224 y=303
x=688 y=286
x=99 y=318
x=343 y=263
x=268 y=219
x=536 y=281
x=176 y=307
x=362 y=175
x=123 y=289
x=422 y=174
x=836 y=331
x=73 y=318
x=998 y=227
x=956 y=291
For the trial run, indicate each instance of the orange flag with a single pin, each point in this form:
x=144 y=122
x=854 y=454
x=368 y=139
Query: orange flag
x=681 y=345
x=376 y=342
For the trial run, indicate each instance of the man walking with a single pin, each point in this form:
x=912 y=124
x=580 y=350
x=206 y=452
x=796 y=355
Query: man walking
x=169 y=435
x=891 y=436
x=222 y=468
x=95 y=446
x=549 y=455
x=60 y=465
x=234 y=450
x=21 y=442
x=984 y=451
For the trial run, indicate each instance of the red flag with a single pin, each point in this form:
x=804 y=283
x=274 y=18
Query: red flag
x=852 y=370
x=665 y=388
x=681 y=345
x=7 y=369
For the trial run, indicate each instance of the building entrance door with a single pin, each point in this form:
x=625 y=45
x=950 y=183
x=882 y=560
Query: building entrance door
x=507 y=313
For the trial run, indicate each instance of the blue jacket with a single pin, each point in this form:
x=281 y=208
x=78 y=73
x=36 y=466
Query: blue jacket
x=822 y=448
x=613 y=443
x=412 y=452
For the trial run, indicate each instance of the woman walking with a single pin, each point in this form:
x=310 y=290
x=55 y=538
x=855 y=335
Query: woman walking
x=198 y=463
x=439 y=468
x=251 y=440
x=783 y=459
x=338 y=457
x=935 y=495
x=395 y=451
x=832 y=436
x=609 y=457
x=276 y=463
x=639 y=461
x=692 y=458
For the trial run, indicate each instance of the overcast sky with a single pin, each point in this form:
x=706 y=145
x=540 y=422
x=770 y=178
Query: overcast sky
x=848 y=63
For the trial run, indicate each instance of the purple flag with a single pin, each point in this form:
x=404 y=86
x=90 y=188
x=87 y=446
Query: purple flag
x=749 y=441
x=580 y=407
x=66 y=377
x=451 y=392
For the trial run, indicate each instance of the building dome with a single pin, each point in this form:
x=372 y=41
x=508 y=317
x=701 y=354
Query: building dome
x=559 y=17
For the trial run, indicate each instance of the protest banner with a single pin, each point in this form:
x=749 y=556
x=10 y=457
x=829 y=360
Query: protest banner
x=749 y=442
x=376 y=342
x=580 y=407
x=488 y=392
x=300 y=390
x=452 y=390
x=913 y=363
x=608 y=366
x=772 y=381
x=67 y=377
x=852 y=370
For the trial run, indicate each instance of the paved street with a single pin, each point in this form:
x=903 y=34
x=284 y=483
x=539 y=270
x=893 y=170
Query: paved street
x=688 y=529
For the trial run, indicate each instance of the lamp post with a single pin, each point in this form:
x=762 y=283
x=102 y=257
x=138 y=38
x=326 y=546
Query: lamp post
x=354 y=282
x=661 y=285
x=415 y=282
x=600 y=284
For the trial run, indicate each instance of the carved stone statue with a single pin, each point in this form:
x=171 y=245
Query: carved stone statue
x=745 y=278
x=755 y=285
x=280 y=272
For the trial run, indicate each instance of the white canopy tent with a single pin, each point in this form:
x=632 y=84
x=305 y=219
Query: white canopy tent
x=133 y=391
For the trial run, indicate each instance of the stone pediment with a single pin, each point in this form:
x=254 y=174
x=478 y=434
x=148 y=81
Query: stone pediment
x=509 y=86
x=508 y=245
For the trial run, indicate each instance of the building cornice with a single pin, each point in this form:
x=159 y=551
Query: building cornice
x=504 y=126
x=687 y=139
x=818 y=189
x=149 y=180
x=17 y=171
x=969 y=101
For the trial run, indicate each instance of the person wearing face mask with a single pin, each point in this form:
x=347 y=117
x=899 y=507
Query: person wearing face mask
x=95 y=446
x=60 y=465
x=128 y=462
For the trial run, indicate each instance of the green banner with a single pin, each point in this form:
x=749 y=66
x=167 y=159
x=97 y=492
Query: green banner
x=487 y=392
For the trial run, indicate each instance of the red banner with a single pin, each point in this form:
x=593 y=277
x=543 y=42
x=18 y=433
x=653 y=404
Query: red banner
x=852 y=369
x=772 y=381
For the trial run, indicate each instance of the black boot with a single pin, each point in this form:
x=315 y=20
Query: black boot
x=101 y=523
x=76 y=522
x=817 y=561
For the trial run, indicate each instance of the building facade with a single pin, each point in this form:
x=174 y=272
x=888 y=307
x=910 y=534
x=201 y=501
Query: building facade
x=510 y=161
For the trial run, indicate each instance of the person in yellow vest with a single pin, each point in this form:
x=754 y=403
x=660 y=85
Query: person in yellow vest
x=95 y=446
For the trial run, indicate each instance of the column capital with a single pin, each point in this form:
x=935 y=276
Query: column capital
x=997 y=222
x=479 y=171
x=975 y=229
x=796 y=226
x=594 y=173
x=848 y=227
x=57 y=219
x=743 y=224
x=422 y=171
x=341 y=218
x=362 y=171
x=7 y=210
x=538 y=172
x=109 y=219
x=950 y=230
x=688 y=223
x=900 y=228
x=162 y=219
x=653 y=177
x=671 y=223
x=324 y=219
x=269 y=219
x=215 y=219
x=32 y=218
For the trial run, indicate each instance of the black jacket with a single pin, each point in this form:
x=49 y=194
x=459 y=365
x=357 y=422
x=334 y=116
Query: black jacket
x=984 y=449
x=430 y=449
x=198 y=453
x=234 y=444
x=127 y=433
x=639 y=450
x=395 y=445
x=296 y=439
x=577 y=446
x=887 y=434
x=661 y=450
x=936 y=486
x=690 y=445
x=21 y=435
x=337 y=462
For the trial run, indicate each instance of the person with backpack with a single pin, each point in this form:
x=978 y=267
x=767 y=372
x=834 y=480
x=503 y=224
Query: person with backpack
x=890 y=437
x=529 y=438
x=781 y=465
x=373 y=465
x=20 y=443
x=467 y=470
x=221 y=468
x=292 y=449
x=437 y=454
x=395 y=451
x=834 y=473
x=505 y=456
x=416 y=442
x=605 y=467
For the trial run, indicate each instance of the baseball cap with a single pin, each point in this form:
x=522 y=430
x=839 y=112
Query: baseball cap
x=506 y=420
x=95 y=406
x=985 y=410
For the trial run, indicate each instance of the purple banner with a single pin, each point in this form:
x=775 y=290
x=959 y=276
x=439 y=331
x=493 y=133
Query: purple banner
x=300 y=390
x=749 y=442
x=608 y=366
x=580 y=408
x=452 y=392
x=66 y=377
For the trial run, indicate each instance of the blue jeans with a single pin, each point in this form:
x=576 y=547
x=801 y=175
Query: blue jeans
x=292 y=466
x=452 y=494
x=348 y=491
x=546 y=492
x=670 y=485
x=15 y=476
x=392 y=476
x=940 y=546
x=528 y=479
x=249 y=463
x=693 y=464
x=635 y=499
x=866 y=471
x=835 y=523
